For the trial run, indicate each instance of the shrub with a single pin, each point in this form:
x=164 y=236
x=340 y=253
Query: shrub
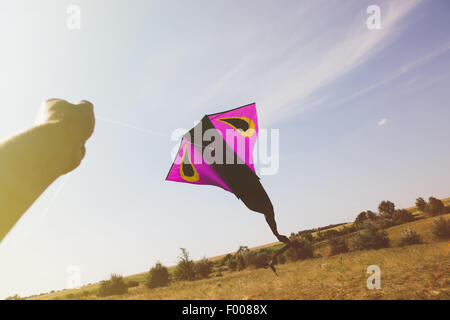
x=348 y=229
x=338 y=245
x=385 y=222
x=441 y=228
x=257 y=259
x=113 y=286
x=402 y=216
x=224 y=260
x=232 y=264
x=14 y=297
x=185 y=267
x=240 y=263
x=331 y=234
x=410 y=237
x=203 y=268
x=158 y=276
x=132 y=283
x=308 y=236
x=82 y=294
x=363 y=218
x=370 y=237
x=386 y=208
x=421 y=204
x=281 y=259
x=301 y=249
x=434 y=206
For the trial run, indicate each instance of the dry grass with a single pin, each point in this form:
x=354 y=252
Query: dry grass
x=413 y=272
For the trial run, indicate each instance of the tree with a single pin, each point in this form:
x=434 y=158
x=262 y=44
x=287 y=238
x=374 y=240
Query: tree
x=441 y=228
x=402 y=216
x=421 y=204
x=364 y=217
x=185 y=267
x=158 y=276
x=434 y=206
x=410 y=237
x=113 y=286
x=307 y=236
x=371 y=237
x=338 y=245
x=300 y=250
x=232 y=264
x=203 y=268
x=386 y=208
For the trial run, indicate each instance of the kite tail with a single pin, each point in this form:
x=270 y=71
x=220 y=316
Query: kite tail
x=271 y=264
x=270 y=218
x=273 y=226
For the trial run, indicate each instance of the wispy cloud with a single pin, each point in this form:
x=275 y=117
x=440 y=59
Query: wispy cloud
x=283 y=76
x=352 y=46
x=404 y=69
x=382 y=122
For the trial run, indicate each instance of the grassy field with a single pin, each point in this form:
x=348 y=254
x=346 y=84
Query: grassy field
x=412 y=272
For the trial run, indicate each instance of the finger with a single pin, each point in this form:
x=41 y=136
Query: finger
x=85 y=104
x=83 y=152
x=87 y=109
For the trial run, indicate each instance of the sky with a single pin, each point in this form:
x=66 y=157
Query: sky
x=363 y=116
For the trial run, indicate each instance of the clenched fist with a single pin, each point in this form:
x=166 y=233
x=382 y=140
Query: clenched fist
x=76 y=124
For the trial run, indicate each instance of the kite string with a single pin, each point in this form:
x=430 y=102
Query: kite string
x=127 y=125
x=55 y=195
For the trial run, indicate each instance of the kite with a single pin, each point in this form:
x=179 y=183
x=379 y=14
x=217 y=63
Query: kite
x=218 y=151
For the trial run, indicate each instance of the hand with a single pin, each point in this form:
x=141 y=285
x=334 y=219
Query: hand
x=75 y=124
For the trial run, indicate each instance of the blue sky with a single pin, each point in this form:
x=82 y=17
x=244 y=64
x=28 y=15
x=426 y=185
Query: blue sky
x=315 y=72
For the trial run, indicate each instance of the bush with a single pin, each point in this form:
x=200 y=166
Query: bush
x=82 y=294
x=240 y=263
x=370 y=237
x=232 y=264
x=348 y=229
x=402 y=216
x=258 y=259
x=434 y=206
x=421 y=204
x=132 y=283
x=158 y=276
x=185 y=268
x=308 y=236
x=338 y=245
x=281 y=259
x=363 y=218
x=330 y=234
x=203 y=268
x=410 y=237
x=113 y=286
x=224 y=260
x=301 y=249
x=441 y=228
x=386 y=208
